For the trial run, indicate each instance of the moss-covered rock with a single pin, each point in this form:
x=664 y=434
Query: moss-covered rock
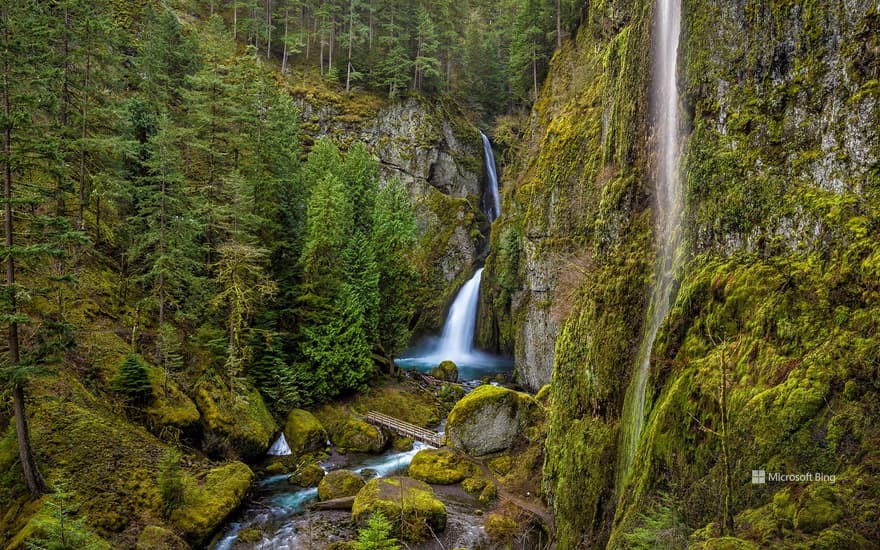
x=359 y=436
x=340 y=483
x=474 y=485
x=209 y=501
x=501 y=528
x=446 y=371
x=440 y=467
x=489 y=419
x=238 y=422
x=304 y=433
x=307 y=475
x=404 y=497
x=154 y=537
x=488 y=494
x=249 y=536
x=402 y=444
x=169 y=406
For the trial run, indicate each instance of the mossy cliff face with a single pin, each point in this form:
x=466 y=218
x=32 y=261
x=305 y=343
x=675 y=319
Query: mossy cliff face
x=778 y=294
x=433 y=149
x=576 y=197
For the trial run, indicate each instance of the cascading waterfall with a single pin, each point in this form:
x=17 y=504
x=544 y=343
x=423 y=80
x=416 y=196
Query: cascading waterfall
x=494 y=209
x=456 y=342
x=667 y=23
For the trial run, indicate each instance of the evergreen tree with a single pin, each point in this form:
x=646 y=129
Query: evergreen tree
x=133 y=380
x=426 y=64
x=377 y=535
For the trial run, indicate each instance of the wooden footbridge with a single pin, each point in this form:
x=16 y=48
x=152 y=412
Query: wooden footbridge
x=404 y=428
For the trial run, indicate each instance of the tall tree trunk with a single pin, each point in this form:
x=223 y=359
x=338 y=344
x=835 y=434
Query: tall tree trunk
x=350 y=40
x=32 y=477
x=284 y=53
x=558 y=23
x=81 y=195
x=235 y=19
x=535 y=72
x=268 y=29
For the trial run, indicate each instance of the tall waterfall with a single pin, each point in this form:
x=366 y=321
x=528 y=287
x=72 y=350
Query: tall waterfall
x=667 y=23
x=493 y=210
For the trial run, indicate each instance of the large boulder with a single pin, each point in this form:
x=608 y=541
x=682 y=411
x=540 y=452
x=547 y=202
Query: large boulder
x=304 y=433
x=170 y=407
x=440 y=467
x=208 y=502
x=402 y=498
x=489 y=419
x=360 y=437
x=339 y=484
x=237 y=424
x=308 y=475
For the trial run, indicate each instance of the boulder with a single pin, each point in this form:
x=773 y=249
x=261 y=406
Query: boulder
x=339 y=484
x=236 y=424
x=489 y=419
x=402 y=496
x=360 y=437
x=309 y=475
x=170 y=406
x=440 y=467
x=154 y=537
x=207 y=503
x=446 y=371
x=304 y=433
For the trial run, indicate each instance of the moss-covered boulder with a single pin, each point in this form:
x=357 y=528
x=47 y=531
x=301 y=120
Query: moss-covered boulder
x=170 y=407
x=154 y=537
x=339 y=484
x=308 y=475
x=238 y=424
x=402 y=444
x=208 y=502
x=404 y=497
x=489 y=419
x=304 y=432
x=440 y=467
x=249 y=536
x=360 y=437
x=446 y=371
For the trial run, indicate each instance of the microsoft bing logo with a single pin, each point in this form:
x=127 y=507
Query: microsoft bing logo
x=759 y=476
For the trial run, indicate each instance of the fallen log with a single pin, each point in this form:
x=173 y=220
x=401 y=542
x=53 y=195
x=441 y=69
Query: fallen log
x=344 y=503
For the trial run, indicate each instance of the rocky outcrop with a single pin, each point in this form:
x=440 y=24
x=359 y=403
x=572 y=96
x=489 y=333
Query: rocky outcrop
x=207 y=502
x=410 y=504
x=304 y=433
x=490 y=419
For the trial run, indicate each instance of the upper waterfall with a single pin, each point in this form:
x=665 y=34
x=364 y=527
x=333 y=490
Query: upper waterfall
x=493 y=210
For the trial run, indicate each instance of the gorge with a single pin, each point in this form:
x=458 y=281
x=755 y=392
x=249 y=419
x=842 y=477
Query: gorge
x=234 y=230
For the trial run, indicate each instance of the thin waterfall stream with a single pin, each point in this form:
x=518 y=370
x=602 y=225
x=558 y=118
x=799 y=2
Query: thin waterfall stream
x=667 y=25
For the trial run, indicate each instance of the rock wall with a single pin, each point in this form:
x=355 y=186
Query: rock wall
x=778 y=298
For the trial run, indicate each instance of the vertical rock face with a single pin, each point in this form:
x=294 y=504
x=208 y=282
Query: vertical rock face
x=437 y=155
x=778 y=296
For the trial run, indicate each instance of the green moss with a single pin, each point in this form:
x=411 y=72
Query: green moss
x=402 y=444
x=501 y=465
x=210 y=500
x=250 y=536
x=488 y=494
x=340 y=483
x=475 y=485
x=402 y=497
x=502 y=528
x=440 y=467
x=170 y=407
x=154 y=537
x=360 y=437
x=491 y=418
x=304 y=433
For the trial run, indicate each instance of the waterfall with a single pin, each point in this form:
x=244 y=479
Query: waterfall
x=280 y=447
x=494 y=209
x=456 y=343
x=667 y=23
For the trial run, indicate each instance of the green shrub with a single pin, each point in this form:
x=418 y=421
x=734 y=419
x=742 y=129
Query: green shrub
x=171 y=481
x=377 y=535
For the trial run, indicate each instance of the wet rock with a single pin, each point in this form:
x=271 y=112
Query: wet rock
x=304 y=433
x=489 y=419
x=339 y=484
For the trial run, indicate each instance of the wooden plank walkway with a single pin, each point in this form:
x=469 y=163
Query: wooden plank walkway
x=404 y=428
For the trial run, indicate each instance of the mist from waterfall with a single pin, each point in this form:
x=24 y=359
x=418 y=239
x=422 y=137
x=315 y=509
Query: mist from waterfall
x=667 y=27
